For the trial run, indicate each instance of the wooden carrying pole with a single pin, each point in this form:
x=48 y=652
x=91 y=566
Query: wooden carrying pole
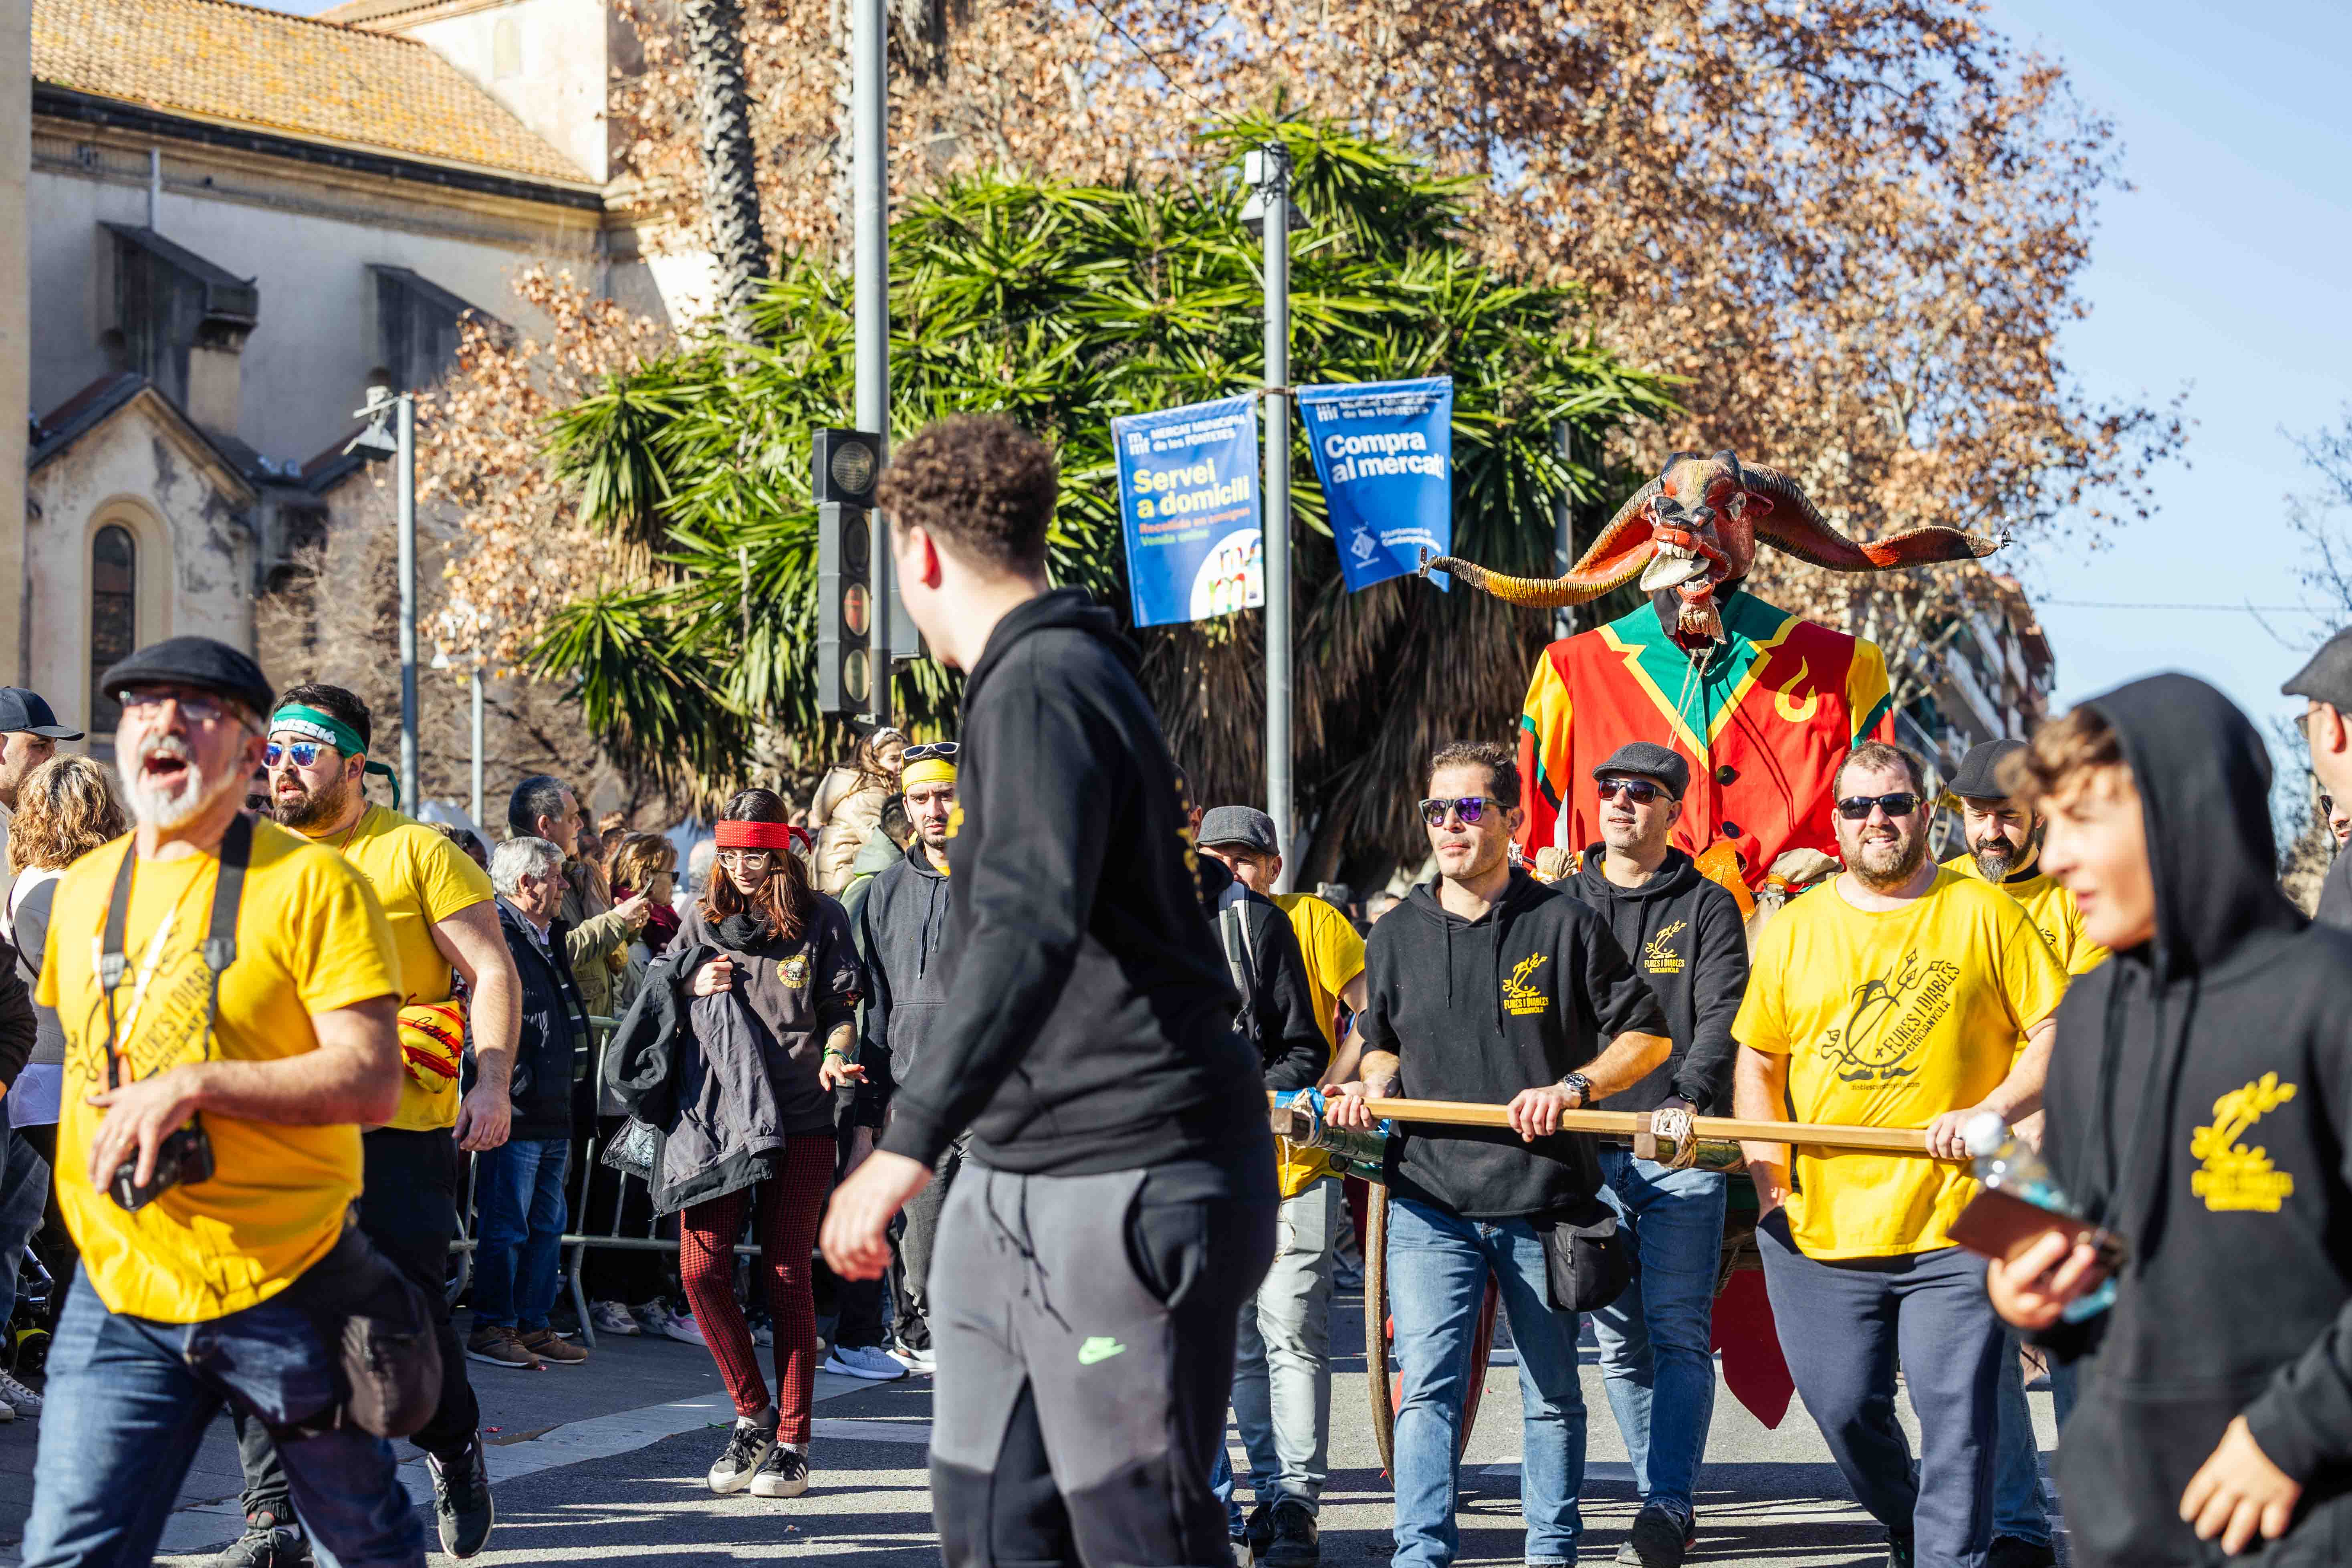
x=1636 y=1123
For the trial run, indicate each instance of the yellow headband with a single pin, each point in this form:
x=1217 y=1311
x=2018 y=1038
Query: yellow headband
x=931 y=770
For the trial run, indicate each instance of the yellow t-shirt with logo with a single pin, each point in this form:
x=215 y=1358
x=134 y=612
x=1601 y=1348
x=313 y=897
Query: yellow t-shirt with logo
x=1335 y=955
x=421 y=879
x=310 y=937
x=2052 y=910
x=1889 y=1020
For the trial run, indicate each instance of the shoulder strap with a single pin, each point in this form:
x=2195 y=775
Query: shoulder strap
x=220 y=936
x=1233 y=927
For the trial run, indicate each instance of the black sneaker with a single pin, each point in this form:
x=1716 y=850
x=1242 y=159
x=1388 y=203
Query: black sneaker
x=461 y=1500
x=1658 y=1540
x=1258 y=1531
x=748 y=1446
x=266 y=1543
x=1294 y=1544
x=2014 y=1552
x=785 y=1474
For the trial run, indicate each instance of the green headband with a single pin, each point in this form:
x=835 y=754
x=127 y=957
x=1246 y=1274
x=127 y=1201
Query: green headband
x=314 y=725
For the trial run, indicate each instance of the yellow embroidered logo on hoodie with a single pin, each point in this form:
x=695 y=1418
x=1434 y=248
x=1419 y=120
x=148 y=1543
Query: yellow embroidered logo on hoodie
x=1658 y=955
x=1520 y=998
x=2233 y=1176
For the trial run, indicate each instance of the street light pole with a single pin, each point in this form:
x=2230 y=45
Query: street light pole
x=1269 y=169
x=406 y=482
x=870 y=247
x=478 y=744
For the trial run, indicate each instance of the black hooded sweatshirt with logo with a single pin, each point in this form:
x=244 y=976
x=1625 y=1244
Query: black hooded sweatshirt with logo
x=1478 y=1010
x=2200 y=1102
x=1089 y=1025
x=1685 y=938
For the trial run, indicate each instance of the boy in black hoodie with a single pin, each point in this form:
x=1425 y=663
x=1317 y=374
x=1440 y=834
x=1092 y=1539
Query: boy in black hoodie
x=2200 y=1103
x=1117 y=1204
x=1684 y=936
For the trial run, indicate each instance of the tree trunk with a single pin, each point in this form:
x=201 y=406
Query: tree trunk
x=714 y=40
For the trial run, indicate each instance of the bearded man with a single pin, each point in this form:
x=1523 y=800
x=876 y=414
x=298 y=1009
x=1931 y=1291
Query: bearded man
x=1901 y=994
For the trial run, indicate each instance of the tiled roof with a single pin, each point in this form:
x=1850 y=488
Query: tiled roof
x=216 y=60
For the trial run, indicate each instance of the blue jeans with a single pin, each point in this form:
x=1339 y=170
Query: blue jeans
x=520 y=1195
x=128 y=1401
x=24 y=1189
x=1656 y=1338
x=2017 y=1507
x=1437 y=1267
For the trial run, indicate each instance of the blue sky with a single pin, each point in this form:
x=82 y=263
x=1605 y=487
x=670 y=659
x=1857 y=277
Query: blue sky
x=2223 y=272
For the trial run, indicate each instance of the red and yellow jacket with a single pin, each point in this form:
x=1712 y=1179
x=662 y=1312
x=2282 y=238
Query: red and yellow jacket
x=1764 y=725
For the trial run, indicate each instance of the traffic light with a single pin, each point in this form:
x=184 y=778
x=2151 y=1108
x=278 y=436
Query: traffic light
x=847 y=464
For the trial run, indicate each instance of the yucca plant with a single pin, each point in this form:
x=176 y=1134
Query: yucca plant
x=1063 y=305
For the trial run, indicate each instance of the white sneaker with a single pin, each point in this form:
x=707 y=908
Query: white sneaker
x=868 y=1361
x=685 y=1330
x=916 y=1361
x=763 y=1335
x=747 y=1447
x=785 y=1474
x=606 y=1317
x=19 y=1398
x=658 y=1319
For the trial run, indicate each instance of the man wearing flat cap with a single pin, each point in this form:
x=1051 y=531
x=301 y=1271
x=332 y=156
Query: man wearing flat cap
x=29 y=733
x=2325 y=686
x=1685 y=938
x=227 y=992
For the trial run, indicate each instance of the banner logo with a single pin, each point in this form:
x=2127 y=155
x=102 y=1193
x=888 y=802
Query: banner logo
x=1384 y=454
x=1188 y=509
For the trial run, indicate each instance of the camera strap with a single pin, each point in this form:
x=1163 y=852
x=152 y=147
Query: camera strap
x=220 y=937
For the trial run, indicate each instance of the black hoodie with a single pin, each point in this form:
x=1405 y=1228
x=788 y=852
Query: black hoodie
x=1684 y=936
x=2199 y=1101
x=1478 y=1010
x=1089 y=1020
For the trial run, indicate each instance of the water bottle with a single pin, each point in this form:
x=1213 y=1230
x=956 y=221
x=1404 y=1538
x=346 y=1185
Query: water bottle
x=2006 y=1163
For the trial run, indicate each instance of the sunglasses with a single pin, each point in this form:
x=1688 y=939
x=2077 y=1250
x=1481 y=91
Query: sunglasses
x=2327 y=806
x=1856 y=807
x=1470 y=809
x=942 y=750
x=304 y=752
x=1640 y=792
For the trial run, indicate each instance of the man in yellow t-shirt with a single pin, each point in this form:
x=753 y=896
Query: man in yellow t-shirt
x=445 y=927
x=183 y=1302
x=2004 y=848
x=1896 y=995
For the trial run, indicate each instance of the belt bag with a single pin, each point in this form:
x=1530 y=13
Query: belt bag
x=381 y=1328
x=1586 y=1261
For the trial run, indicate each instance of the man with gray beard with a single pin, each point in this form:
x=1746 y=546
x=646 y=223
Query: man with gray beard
x=227 y=992
x=1900 y=995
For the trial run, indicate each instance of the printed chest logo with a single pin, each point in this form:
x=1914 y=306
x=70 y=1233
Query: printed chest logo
x=2232 y=1178
x=796 y=972
x=1520 y=998
x=1889 y=1018
x=1658 y=954
x=160 y=1011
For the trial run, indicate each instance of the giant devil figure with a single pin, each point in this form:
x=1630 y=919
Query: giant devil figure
x=1763 y=703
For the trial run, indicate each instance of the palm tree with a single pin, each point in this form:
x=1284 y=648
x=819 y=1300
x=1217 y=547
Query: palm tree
x=1063 y=305
x=714 y=51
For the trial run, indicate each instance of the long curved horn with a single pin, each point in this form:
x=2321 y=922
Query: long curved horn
x=1792 y=525
x=1615 y=558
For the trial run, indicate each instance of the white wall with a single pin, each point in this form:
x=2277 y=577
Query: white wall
x=15 y=124
x=305 y=366
x=546 y=60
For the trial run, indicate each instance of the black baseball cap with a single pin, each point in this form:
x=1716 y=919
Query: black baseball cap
x=1979 y=774
x=2327 y=677
x=29 y=711
x=200 y=662
x=1648 y=760
x=1244 y=824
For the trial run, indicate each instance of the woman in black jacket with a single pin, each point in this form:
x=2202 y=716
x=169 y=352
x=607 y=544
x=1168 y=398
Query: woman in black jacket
x=783 y=954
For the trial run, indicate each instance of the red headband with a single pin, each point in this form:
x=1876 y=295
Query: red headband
x=760 y=834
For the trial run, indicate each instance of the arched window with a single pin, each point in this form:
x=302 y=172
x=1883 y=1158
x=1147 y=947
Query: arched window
x=113 y=614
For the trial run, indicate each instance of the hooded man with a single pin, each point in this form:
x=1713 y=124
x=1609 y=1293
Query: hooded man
x=2325 y=686
x=2197 y=1106
x=1684 y=936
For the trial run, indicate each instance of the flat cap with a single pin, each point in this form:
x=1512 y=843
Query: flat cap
x=29 y=711
x=1979 y=774
x=1244 y=824
x=200 y=662
x=2327 y=677
x=1648 y=760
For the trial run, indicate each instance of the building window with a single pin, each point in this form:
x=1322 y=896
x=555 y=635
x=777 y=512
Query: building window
x=167 y=300
x=114 y=615
x=419 y=327
x=505 y=49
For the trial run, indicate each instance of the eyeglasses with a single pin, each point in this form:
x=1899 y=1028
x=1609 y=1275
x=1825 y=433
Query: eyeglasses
x=198 y=710
x=943 y=749
x=2327 y=806
x=1856 y=807
x=1470 y=808
x=749 y=859
x=1640 y=792
x=304 y=752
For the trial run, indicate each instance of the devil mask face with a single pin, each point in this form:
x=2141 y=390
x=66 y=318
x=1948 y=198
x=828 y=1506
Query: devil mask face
x=1700 y=539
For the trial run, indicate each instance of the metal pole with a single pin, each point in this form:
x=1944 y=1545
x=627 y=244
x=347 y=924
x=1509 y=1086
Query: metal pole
x=478 y=745
x=1275 y=193
x=1563 y=524
x=155 y=190
x=870 y=132
x=408 y=491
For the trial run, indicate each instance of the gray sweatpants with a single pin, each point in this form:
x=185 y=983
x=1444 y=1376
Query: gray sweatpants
x=1281 y=1368
x=1084 y=1327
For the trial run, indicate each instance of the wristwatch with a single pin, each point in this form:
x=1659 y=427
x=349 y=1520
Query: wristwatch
x=1576 y=1083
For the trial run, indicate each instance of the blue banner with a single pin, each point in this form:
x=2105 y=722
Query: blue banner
x=1384 y=451
x=1187 y=504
